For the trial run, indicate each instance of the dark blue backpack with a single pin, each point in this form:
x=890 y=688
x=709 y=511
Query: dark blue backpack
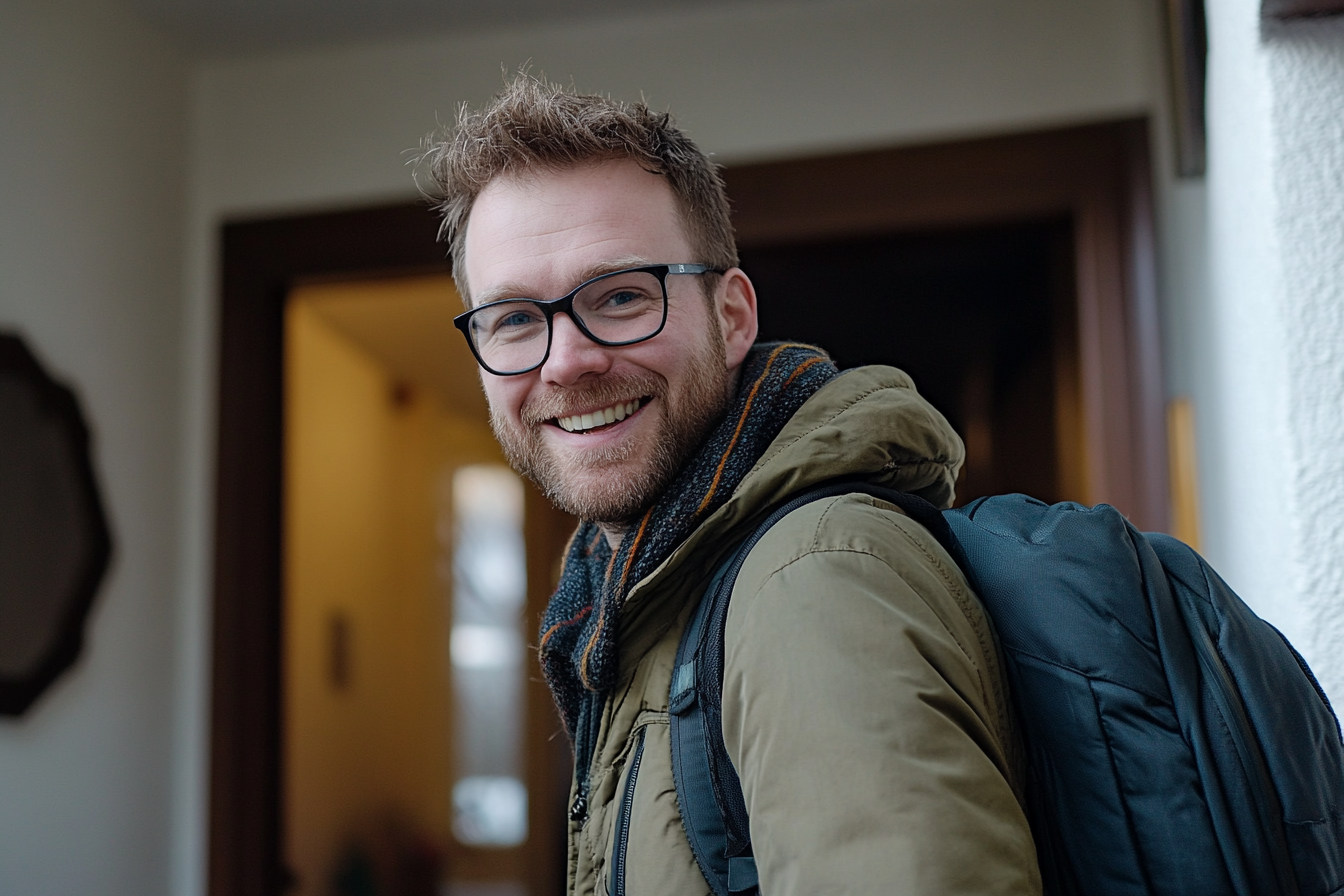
x=1176 y=742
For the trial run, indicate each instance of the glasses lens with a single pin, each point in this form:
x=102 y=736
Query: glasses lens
x=624 y=307
x=509 y=336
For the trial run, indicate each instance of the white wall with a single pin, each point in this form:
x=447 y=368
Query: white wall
x=1276 y=388
x=93 y=111
x=747 y=81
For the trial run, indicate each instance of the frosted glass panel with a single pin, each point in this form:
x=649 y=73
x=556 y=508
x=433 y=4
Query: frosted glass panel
x=490 y=811
x=487 y=649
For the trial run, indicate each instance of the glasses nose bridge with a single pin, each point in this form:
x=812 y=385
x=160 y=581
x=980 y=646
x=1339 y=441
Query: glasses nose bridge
x=565 y=305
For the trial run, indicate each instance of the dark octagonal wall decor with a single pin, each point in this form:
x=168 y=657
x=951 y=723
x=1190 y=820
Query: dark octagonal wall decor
x=54 y=542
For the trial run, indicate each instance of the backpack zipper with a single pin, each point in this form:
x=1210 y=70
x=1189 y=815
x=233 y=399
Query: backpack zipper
x=622 y=838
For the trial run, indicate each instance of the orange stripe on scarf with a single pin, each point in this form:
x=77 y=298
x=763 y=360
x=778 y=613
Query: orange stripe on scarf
x=741 y=421
x=801 y=367
x=602 y=611
x=559 y=625
x=585 y=611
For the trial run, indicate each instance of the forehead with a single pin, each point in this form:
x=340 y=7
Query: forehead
x=541 y=233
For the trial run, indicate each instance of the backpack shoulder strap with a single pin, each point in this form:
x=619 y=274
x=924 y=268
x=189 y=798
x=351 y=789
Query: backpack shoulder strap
x=699 y=758
x=709 y=792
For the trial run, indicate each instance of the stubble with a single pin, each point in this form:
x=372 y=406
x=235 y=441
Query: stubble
x=616 y=485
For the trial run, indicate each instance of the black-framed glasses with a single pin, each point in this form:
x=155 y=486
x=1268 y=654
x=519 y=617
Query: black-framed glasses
x=513 y=336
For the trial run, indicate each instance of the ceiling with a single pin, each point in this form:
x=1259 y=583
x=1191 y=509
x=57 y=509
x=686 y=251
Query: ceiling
x=406 y=324
x=244 y=27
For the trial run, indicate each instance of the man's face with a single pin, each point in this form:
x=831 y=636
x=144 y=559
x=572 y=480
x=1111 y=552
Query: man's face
x=540 y=236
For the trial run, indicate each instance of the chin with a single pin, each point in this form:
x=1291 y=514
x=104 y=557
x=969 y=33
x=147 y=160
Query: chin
x=614 y=485
x=607 y=494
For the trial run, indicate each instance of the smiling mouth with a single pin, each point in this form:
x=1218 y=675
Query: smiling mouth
x=598 y=419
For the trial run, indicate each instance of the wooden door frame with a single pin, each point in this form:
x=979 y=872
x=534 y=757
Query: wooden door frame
x=1098 y=175
x=261 y=262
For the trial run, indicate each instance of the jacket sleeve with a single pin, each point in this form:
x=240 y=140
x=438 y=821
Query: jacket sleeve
x=866 y=714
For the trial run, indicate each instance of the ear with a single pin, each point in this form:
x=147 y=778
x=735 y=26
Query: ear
x=736 y=304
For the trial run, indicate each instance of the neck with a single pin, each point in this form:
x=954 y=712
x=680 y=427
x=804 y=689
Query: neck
x=614 y=532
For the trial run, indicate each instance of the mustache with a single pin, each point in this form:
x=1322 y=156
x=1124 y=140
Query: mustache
x=610 y=389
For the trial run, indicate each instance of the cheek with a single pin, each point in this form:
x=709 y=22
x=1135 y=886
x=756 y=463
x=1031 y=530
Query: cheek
x=504 y=394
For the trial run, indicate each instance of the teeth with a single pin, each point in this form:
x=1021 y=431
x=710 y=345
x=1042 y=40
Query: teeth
x=582 y=422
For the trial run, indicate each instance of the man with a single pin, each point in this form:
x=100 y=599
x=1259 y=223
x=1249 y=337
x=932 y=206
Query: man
x=863 y=704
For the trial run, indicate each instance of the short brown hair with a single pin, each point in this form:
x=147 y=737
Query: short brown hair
x=534 y=122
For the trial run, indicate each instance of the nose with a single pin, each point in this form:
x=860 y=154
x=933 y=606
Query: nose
x=573 y=355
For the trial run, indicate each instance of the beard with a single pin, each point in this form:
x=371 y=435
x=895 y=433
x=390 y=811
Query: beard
x=615 y=485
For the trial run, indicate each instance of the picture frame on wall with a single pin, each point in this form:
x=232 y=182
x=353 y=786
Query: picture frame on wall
x=55 y=545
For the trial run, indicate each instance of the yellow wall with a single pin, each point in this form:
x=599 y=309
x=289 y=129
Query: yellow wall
x=362 y=475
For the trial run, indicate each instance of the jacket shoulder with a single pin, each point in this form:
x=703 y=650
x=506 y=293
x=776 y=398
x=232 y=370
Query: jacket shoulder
x=861 y=680
x=867 y=549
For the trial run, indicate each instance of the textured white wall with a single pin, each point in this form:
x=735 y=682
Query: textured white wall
x=1306 y=67
x=1275 y=392
x=93 y=111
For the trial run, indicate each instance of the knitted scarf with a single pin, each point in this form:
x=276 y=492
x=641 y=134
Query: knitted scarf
x=578 y=631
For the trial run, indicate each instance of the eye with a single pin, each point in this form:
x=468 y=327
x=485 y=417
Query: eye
x=623 y=301
x=623 y=297
x=509 y=321
x=516 y=319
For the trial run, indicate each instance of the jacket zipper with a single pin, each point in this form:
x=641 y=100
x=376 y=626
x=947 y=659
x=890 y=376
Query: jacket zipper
x=585 y=744
x=622 y=839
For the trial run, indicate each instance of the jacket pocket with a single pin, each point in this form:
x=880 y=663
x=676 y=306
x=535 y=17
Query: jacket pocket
x=621 y=840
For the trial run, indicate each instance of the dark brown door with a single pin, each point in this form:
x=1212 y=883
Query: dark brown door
x=981 y=318
x=1012 y=276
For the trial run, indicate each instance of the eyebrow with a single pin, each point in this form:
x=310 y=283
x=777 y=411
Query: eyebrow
x=511 y=291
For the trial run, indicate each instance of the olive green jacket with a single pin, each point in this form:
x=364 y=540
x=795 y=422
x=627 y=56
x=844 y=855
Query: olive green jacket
x=864 y=707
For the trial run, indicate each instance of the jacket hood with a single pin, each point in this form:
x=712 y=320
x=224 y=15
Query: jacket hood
x=868 y=422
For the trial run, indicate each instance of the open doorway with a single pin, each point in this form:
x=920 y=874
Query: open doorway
x=405 y=768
